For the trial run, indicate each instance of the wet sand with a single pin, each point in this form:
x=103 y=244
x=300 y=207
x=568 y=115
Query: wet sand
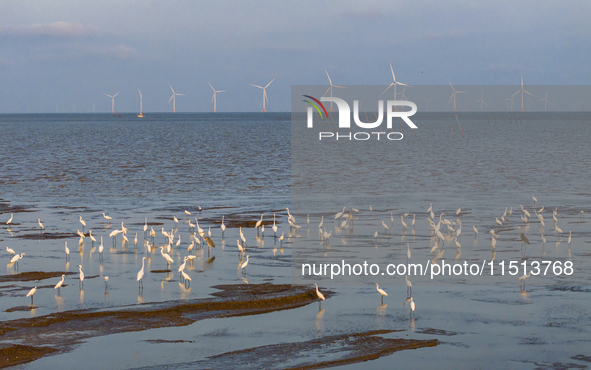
x=63 y=330
x=344 y=349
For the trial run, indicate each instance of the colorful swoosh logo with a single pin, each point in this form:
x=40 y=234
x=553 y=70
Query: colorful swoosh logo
x=316 y=105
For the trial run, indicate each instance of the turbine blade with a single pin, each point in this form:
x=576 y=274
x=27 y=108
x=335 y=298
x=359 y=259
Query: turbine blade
x=329 y=81
x=327 y=90
x=213 y=96
x=400 y=83
x=270 y=82
x=260 y=87
x=452 y=86
x=391 y=69
x=527 y=92
x=171 y=87
x=116 y=94
x=211 y=86
x=392 y=84
x=340 y=87
x=221 y=91
x=179 y=94
x=109 y=95
x=170 y=99
x=138 y=90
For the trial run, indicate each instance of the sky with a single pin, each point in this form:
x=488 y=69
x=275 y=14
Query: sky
x=63 y=56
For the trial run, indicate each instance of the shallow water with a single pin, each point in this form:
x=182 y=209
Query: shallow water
x=61 y=167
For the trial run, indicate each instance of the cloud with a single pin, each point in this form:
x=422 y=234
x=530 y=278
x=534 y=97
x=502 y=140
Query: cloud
x=52 y=29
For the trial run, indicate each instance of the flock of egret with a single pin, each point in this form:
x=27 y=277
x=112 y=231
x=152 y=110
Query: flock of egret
x=343 y=219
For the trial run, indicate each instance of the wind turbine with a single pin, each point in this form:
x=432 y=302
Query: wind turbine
x=394 y=84
x=546 y=101
x=264 y=93
x=330 y=89
x=521 y=91
x=213 y=98
x=173 y=98
x=427 y=103
x=113 y=101
x=141 y=115
x=481 y=101
x=453 y=95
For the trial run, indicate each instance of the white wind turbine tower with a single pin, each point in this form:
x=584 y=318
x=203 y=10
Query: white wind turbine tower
x=546 y=101
x=481 y=101
x=214 y=97
x=394 y=84
x=113 y=101
x=427 y=103
x=521 y=91
x=264 y=93
x=453 y=95
x=330 y=89
x=173 y=98
x=141 y=115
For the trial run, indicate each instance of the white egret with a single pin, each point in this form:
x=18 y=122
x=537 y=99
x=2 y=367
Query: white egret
x=321 y=223
x=82 y=222
x=534 y=199
x=318 y=294
x=178 y=242
x=187 y=212
x=30 y=294
x=186 y=277
x=108 y=218
x=408 y=251
x=67 y=250
x=458 y=245
x=458 y=211
x=140 y=274
x=106 y=281
x=383 y=224
x=408 y=286
x=430 y=208
x=166 y=256
x=59 y=284
x=100 y=249
x=558 y=230
x=91 y=237
x=81 y=276
x=412 y=306
x=570 y=237
x=308 y=219
x=243 y=266
x=382 y=292
x=240 y=249
x=176 y=220
x=135 y=240
x=499 y=222
x=414 y=217
x=281 y=237
x=525 y=211
x=40 y=224
x=475 y=230
x=10 y=219
x=10 y=250
x=16 y=258
x=145 y=227
x=339 y=214
x=403 y=223
x=223 y=227
x=258 y=224
x=493 y=242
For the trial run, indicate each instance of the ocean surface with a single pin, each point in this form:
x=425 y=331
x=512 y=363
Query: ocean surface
x=59 y=167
